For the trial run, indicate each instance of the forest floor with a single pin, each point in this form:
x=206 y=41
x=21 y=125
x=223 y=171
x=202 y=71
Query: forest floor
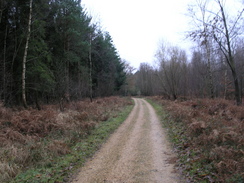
x=137 y=152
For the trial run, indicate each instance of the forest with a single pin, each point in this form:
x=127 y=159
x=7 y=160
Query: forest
x=51 y=51
x=213 y=69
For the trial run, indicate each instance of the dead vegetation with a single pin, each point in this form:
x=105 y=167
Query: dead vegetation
x=209 y=136
x=28 y=137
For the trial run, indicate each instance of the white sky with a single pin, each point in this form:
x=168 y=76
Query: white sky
x=137 y=26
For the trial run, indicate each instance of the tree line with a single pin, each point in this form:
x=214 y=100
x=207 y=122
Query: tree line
x=50 y=50
x=216 y=66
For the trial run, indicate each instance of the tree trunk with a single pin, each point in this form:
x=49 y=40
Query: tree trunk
x=237 y=89
x=210 y=76
x=207 y=47
x=90 y=74
x=241 y=86
x=79 y=81
x=226 y=85
x=4 y=64
x=1 y=10
x=24 y=58
x=36 y=101
x=1 y=13
x=229 y=57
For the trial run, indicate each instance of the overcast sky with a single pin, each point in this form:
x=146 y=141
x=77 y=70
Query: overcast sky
x=137 y=26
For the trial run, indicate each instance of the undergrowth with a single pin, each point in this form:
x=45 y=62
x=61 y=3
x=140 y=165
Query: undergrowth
x=208 y=136
x=47 y=145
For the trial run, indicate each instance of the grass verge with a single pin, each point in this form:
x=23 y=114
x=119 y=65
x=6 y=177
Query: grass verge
x=174 y=130
x=61 y=168
x=177 y=137
x=207 y=136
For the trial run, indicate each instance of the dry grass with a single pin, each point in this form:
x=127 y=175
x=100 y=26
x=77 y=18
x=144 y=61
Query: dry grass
x=7 y=171
x=58 y=147
x=214 y=129
x=28 y=137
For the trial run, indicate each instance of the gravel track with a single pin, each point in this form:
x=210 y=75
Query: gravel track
x=138 y=152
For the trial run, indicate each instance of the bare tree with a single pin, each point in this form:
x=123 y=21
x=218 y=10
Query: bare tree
x=224 y=31
x=224 y=38
x=145 y=80
x=171 y=60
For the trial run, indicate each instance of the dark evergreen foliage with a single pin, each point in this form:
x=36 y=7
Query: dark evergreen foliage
x=58 y=65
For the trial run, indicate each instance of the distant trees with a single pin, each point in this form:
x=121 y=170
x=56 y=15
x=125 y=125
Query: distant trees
x=169 y=77
x=145 y=79
x=177 y=76
x=129 y=87
x=67 y=54
x=216 y=66
x=172 y=61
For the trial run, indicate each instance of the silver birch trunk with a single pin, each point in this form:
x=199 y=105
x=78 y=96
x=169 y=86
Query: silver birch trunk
x=24 y=58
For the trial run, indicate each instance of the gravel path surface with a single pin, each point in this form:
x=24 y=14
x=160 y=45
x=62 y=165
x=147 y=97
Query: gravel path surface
x=137 y=152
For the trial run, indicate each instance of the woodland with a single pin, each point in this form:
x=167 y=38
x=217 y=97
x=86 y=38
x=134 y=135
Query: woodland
x=60 y=72
x=215 y=68
x=51 y=51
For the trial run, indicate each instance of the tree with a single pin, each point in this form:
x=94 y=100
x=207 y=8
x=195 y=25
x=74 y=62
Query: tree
x=202 y=37
x=171 y=60
x=12 y=26
x=224 y=31
x=50 y=50
x=145 y=80
x=108 y=69
x=68 y=34
x=239 y=57
x=25 y=56
x=197 y=74
x=224 y=39
x=129 y=86
x=90 y=69
x=2 y=7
